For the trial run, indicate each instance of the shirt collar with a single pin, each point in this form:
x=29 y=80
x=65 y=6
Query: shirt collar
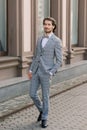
x=48 y=36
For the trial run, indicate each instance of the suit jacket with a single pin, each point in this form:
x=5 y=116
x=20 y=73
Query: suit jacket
x=48 y=58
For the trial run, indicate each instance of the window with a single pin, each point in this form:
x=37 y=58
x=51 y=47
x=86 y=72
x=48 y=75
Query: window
x=3 y=27
x=74 y=22
x=43 y=11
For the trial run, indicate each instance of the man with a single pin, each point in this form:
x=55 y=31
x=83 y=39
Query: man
x=43 y=67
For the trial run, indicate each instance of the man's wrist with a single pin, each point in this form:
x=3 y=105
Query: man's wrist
x=30 y=71
x=51 y=73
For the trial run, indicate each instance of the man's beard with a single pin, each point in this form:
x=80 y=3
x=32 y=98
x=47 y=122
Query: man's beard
x=47 y=31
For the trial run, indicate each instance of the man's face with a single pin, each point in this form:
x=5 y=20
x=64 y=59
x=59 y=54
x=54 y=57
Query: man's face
x=48 y=27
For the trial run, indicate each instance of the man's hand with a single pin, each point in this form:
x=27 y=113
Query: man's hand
x=30 y=75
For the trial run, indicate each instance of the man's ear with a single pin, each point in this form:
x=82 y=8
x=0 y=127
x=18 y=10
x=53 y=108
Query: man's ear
x=53 y=27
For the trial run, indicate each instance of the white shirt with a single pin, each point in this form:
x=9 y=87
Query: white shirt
x=45 y=40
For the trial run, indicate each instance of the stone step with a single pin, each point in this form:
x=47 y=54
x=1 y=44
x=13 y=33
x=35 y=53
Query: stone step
x=24 y=101
x=19 y=86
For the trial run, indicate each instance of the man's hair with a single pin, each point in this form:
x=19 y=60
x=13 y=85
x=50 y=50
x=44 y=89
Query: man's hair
x=52 y=20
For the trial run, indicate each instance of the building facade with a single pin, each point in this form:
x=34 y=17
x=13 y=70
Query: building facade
x=21 y=24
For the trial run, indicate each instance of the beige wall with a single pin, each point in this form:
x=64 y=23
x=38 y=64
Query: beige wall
x=27 y=25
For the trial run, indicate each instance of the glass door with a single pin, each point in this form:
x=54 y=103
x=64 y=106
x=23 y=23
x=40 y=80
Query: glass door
x=3 y=27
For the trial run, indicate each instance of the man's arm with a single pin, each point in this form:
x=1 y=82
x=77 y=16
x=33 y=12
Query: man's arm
x=32 y=64
x=58 y=55
x=33 y=60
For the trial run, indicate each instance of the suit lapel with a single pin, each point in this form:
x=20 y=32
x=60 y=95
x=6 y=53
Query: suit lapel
x=48 y=42
x=40 y=44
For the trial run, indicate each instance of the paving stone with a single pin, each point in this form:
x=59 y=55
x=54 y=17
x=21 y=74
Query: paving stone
x=68 y=111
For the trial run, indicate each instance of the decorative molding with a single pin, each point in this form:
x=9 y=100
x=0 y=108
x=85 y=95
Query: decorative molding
x=9 y=67
x=6 y=62
x=79 y=50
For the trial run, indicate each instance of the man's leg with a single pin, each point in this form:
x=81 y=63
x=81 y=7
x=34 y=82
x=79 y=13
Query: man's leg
x=34 y=85
x=45 y=85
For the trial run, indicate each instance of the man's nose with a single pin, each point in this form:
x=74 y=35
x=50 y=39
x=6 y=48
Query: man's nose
x=46 y=26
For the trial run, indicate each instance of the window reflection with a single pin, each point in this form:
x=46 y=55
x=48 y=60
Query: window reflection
x=3 y=45
x=74 y=22
x=43 y=11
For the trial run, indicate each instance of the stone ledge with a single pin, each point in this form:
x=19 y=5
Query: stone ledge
x=8 y=67
x=7 y=61
x=69 y=66
x=18 y=103
x=8 y=58
x=79 y=48
x=16 y=80
x=12 y=81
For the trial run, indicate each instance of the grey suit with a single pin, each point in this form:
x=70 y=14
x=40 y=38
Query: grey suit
x=43 y=63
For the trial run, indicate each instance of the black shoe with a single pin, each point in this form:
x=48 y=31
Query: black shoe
x=39 y=117
x=44 y=124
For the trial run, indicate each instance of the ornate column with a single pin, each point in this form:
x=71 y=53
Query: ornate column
x=22 y=31
x=57 y=11
x=68 y=31
x=82 y=37
x=13 y=27
x=27 y=33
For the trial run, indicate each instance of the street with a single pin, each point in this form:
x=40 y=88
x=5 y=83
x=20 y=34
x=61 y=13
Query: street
x=68 y=111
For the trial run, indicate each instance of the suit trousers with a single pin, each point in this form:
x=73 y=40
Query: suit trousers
x=40 y=78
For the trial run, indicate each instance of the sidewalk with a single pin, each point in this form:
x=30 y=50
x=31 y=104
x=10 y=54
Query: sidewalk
x=21 y=102
x=68 y=111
